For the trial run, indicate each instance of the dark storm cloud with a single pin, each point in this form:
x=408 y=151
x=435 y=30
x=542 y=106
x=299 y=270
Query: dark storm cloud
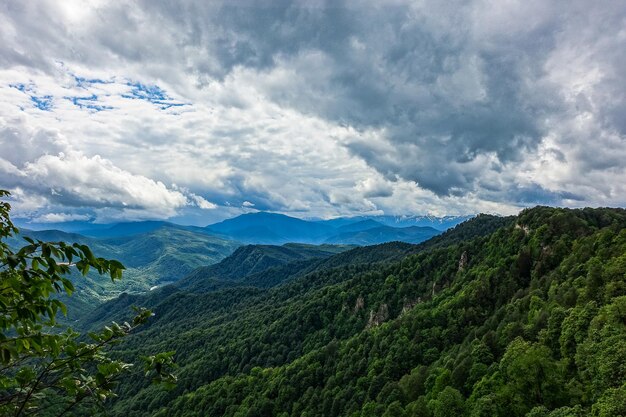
x=445 y=89
x=535 y=194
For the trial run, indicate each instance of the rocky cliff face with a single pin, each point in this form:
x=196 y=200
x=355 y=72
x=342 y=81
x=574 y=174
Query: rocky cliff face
x=463 y=261
x=360 y=303
x=377 y=318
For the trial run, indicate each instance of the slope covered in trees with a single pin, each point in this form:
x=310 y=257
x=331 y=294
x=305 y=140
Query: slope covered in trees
x=160 y=256
x=528 y=320
x=253 y=259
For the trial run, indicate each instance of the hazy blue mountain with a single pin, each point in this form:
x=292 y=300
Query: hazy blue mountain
x=440 y=223
x=97 y=230
x=75 y=226
x=272 y=228
x=382 y=234
x=276 y=229
x=359 y=226
x=341 y=221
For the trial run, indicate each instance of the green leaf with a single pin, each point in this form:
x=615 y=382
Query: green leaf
x=68 y=286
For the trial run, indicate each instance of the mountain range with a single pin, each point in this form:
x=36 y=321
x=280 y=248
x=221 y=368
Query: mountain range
x=502 y=316
x=265 y=227
x=159 y=252
x=272 y=228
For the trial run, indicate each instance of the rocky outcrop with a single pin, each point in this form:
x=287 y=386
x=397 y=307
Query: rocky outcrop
x=360 y=303
x=409 y=304
x=379 y=317
x=463 y=261
x=526 y=229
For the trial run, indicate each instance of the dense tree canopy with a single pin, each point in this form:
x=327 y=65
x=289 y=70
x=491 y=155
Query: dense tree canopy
x=527 y=318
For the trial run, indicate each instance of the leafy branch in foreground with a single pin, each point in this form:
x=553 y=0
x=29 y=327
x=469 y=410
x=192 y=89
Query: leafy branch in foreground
x=43 y=368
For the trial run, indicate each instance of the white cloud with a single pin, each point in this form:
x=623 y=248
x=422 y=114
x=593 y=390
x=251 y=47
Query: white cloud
x=374 y=187
x=424 y=107
x=60 y=217
x=72 y=179
x=201 y=202
x=82 y=180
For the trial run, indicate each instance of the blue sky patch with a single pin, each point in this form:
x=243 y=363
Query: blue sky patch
x=89 y=103
x=83 y=82
x=165 y=106
x=146 y=92
x=153 y=94
x=20 y=86
x=41 y=102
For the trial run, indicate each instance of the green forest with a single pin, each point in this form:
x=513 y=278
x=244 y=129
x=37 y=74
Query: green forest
x=500 y=316
x=528 y=319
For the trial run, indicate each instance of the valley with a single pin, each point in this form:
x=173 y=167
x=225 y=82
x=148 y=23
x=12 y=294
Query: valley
x=158 y=253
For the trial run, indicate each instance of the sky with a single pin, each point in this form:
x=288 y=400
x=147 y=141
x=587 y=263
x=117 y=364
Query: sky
x=195 y=111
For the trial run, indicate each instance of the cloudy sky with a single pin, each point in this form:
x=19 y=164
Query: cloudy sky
x=199 y=110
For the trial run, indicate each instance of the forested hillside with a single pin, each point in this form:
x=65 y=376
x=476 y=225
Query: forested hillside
x=151 y=259
x=254 y=259
x=528 y=320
